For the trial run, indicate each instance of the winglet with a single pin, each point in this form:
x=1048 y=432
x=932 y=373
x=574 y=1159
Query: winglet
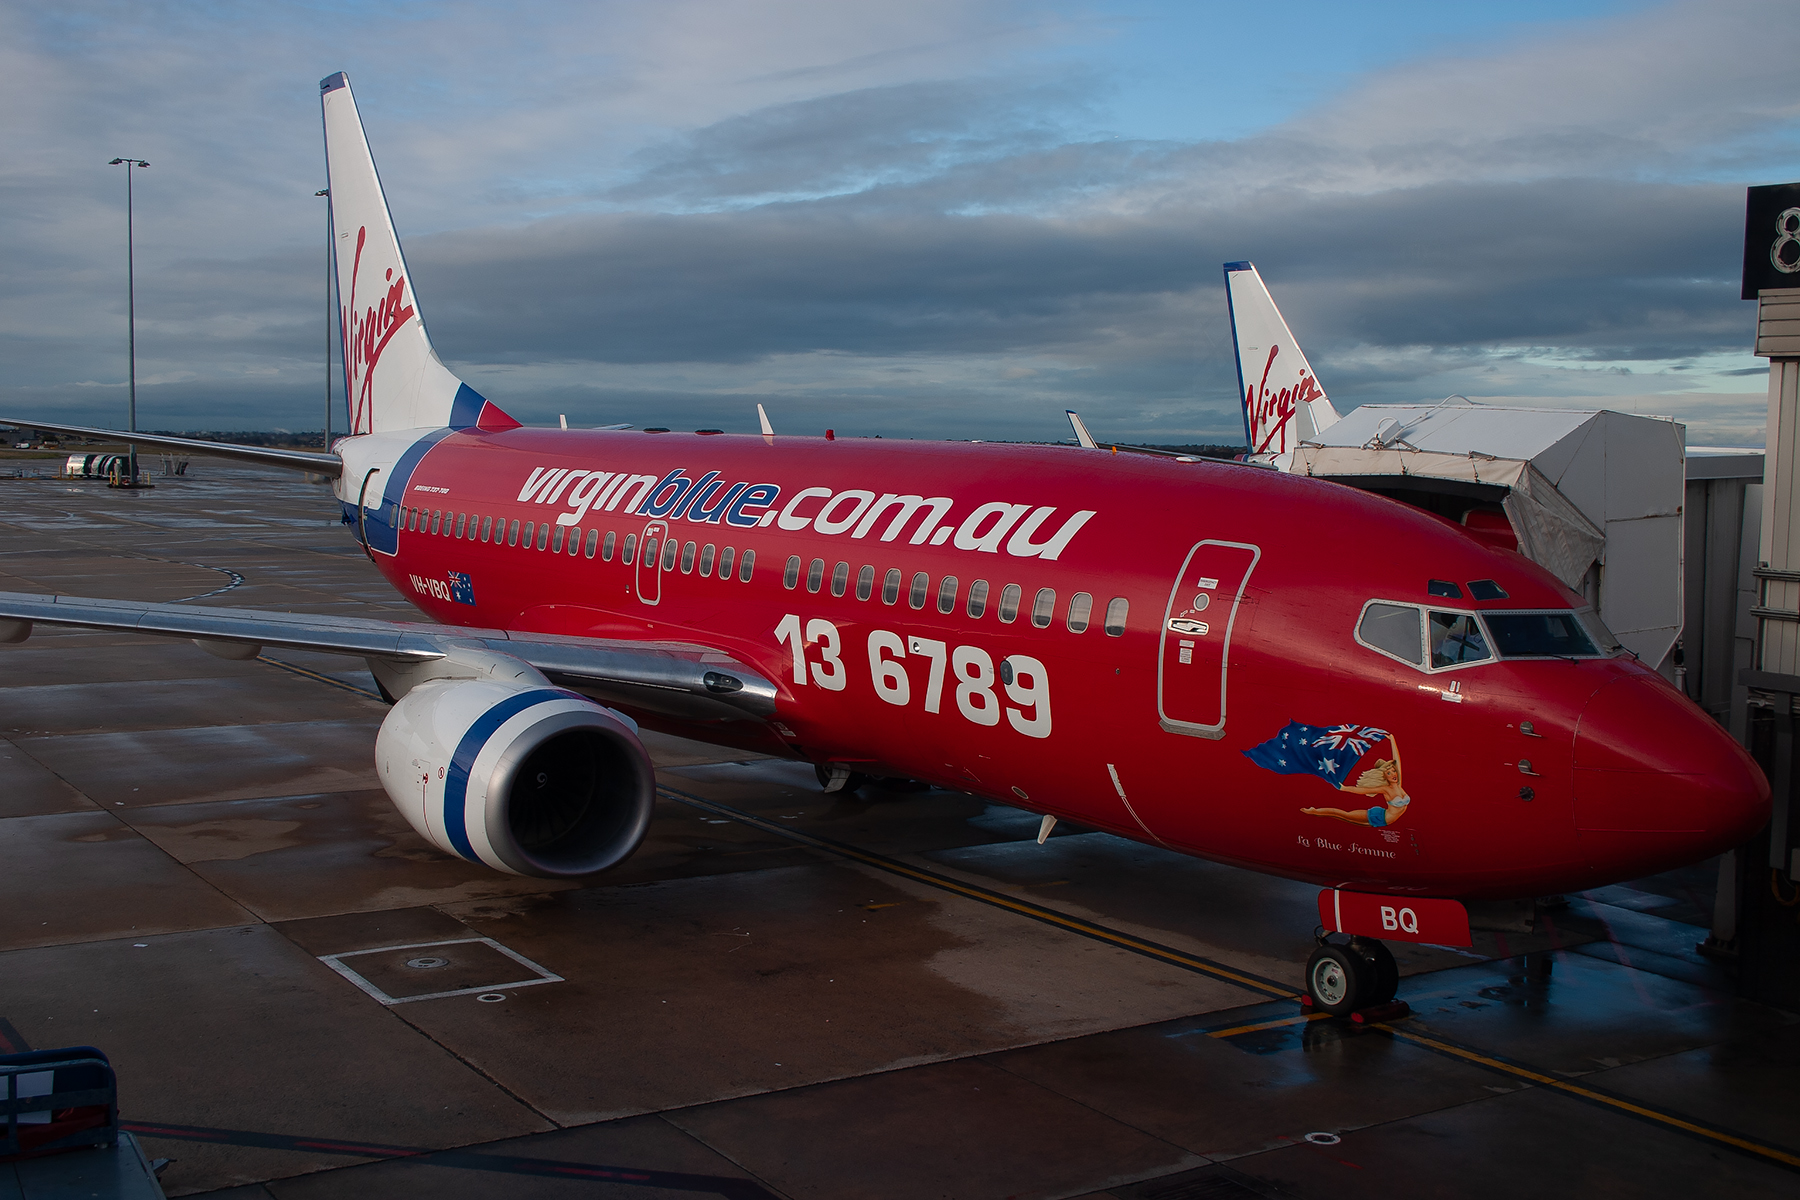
x=768 y=430
x=1282 y=401
x=1081 y=431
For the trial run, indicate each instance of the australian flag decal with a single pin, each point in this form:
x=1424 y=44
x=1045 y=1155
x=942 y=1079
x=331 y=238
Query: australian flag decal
x=1328 y=751
x=461 y=590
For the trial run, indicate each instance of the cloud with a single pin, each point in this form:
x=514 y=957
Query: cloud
x=897 y=219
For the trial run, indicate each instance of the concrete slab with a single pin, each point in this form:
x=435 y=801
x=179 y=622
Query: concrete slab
x=1226 y=1098
x=83 y=876
x=525 y=1168
x=238 y=1029
x=28 y=788
x=1557 y=1145
x=930 y=1132
x=261 y=697
x=831 y=972
x=315 y=855
x=172 y=766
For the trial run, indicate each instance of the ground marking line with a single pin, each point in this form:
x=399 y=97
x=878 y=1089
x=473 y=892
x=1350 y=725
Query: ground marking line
x=1204 y=966
x=1049 y=916
x=308 y=674
x=1688 y=1125
x=734 y=1189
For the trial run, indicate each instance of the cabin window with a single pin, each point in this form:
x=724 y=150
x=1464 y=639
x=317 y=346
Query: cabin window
x=840 y=578
x=865 y=583
x=556 y=540
x=747 y=566
x=671 y=547
x=593 y=543
x=575 y=542
x=1043 y=607
x=625 y=555
x=890 y=586
x=512 y=534
x=947 y=594
x=530 y=532
x=1116 y=610
x=1456 y=638
x=544 y=534
x=1444 y=588
x=815 y=574
x=436 y=518
x=921 y=584
x=1009 y=603
x=487 y=527
x=791 y=575
x=1539 y=635
x=412 y=519
x=726 y=557
x=978 y=592
x=1081 y=606
x=708 y=553
x=606 y=546
x=1392 y=629
x=462 y=523
x=688 y=551
x=650 y=545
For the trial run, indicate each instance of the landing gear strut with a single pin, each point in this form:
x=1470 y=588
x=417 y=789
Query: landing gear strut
x=1349 y=977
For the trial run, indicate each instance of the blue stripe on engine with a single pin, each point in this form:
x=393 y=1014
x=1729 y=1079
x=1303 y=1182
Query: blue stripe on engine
x=456 y=780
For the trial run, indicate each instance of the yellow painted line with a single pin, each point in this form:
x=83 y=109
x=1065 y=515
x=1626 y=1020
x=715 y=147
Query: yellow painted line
x=1673 y=1120
x=1262 y=1025
x=1037 y=912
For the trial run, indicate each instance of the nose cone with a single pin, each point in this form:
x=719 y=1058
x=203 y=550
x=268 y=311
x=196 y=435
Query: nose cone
x=1655 y=770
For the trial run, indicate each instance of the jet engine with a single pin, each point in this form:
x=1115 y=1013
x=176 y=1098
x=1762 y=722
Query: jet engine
x=528 y=780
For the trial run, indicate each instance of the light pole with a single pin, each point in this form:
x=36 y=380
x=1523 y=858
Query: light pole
x=330 y=315
x=131 y=299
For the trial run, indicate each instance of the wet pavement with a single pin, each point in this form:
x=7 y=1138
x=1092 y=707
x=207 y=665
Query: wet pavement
x=889 y=994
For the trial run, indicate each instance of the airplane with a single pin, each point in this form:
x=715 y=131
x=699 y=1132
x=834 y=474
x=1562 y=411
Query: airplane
x=1273 y=672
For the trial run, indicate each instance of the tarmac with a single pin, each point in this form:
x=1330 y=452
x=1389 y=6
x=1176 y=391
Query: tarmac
x=890 y=994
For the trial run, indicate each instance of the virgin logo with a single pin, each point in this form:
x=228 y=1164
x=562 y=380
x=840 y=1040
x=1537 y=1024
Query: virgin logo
x=1269 y=411
x=367 y=332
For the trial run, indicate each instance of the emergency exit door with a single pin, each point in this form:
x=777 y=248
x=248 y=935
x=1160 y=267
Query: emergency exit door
x=1191 y=679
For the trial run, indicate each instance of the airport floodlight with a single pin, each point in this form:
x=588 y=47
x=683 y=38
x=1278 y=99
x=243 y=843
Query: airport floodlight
x=130 y=299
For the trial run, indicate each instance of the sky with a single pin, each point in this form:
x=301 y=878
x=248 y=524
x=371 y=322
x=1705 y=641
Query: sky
x=942 y=219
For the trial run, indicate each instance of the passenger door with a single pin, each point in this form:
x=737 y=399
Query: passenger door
x=649 y=563
x=1195 y=643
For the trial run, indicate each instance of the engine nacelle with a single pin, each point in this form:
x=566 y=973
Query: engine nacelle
x=528 y=780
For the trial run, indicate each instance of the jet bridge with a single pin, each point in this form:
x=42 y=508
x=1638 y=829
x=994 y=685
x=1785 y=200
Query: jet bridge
x=1594 y=496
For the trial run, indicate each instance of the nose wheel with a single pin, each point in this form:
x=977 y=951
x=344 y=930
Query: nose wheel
x=1349 y=978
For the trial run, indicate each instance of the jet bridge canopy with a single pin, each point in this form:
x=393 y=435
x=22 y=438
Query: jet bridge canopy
x=1594 y=496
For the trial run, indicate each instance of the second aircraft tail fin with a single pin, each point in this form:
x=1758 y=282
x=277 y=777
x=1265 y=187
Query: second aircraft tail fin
x=391 y=373
x=1283 y=402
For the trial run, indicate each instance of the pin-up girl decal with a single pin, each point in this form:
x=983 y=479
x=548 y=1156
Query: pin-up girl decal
x=1332 y=752
x=1383 y=779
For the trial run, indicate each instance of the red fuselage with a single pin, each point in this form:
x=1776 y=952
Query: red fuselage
x=1198 y=611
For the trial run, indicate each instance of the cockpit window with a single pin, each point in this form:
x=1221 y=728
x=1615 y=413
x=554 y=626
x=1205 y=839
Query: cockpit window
x=1456 y=639
x=1393 y=629
x=1444 y=588
x=1603 y=637
x=1540 y=635
x=1486 y=589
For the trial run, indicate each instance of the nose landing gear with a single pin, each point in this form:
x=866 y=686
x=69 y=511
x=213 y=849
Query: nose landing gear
x=1355 y=979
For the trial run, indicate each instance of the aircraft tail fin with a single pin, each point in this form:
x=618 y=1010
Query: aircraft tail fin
x=391 y=374
x=1283 y=402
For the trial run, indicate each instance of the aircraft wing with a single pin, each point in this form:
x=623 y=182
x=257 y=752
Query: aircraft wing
x=268 y=456
x=679 y=678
